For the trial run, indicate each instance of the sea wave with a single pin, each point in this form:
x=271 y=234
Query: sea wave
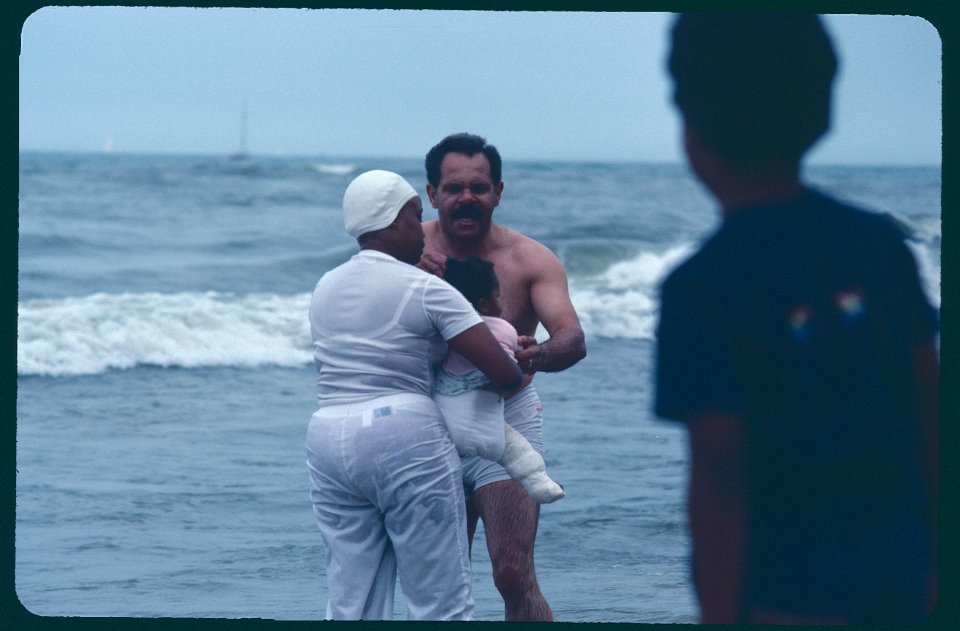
x=333 y=169
x=100 y=332
x=621 y=300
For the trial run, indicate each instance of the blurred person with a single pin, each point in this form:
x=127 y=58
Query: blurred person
x=798 y=348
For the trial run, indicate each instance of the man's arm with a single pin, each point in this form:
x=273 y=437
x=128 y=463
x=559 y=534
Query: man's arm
x=550 y=299
x=717 y=508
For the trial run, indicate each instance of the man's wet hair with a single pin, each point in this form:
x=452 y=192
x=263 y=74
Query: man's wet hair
x=469 y=144
x=472 y=276
x=755 y=86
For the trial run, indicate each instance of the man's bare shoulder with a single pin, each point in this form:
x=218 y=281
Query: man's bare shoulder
x=526 y=250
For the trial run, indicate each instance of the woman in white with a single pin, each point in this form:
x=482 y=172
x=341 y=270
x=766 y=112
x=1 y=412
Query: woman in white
x=386 y=482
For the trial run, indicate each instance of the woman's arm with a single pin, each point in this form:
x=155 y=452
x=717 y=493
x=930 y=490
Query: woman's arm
x=478 y=345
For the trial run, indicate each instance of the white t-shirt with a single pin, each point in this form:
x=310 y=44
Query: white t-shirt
x=379 y=325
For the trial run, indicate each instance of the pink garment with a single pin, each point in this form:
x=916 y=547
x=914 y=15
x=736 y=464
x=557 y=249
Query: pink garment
x=457 y=364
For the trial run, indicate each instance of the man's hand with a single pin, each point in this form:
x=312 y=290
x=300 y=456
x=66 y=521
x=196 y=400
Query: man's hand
x=433 y=262
x=531 y=355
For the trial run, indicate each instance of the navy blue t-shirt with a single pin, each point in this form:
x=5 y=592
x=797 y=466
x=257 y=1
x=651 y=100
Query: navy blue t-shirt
x=802 y=318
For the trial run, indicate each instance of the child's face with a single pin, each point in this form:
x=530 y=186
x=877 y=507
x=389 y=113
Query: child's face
x=490 y=306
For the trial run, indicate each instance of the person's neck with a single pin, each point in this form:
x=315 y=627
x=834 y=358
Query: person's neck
x=753 y=187
x=374 y=244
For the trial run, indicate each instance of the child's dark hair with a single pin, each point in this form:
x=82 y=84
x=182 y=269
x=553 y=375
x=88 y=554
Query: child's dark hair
x=473 y=276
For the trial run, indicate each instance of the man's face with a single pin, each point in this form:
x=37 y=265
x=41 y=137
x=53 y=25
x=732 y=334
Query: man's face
x=465 y=196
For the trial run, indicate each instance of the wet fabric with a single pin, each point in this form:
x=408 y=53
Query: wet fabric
x=527 y=467
x=475 y=421
x=474 y=416
x=524 y=412
x=387 y=495
x=385 y=478
x=378 y=326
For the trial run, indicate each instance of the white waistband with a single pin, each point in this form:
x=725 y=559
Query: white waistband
x=345 y=409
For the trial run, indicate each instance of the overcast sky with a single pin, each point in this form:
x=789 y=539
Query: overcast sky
x=555 y=86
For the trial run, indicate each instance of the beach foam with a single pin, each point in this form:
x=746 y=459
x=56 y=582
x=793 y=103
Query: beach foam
x=333 y=169
x=621 y=301
x=93 y=334
x=100 y=332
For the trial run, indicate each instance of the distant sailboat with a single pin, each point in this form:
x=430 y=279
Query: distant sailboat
x=241 y=153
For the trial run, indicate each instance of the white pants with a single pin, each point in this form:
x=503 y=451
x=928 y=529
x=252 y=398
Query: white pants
x=475 y=421
x=387 y=494
x=524 y=412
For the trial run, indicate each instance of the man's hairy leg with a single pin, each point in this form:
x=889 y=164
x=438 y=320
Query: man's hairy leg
x=472 y=518
x=510 y=520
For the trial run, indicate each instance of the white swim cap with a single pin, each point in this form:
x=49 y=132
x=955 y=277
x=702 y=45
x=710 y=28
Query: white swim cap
x=373 y=200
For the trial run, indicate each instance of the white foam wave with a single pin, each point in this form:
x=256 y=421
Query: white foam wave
x=621 y=302
x=333 y=169
x=100 y=332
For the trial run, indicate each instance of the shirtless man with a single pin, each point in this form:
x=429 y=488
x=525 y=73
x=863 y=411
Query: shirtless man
x=464 y=185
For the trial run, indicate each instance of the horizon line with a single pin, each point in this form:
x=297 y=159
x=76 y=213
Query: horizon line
x=248 y=156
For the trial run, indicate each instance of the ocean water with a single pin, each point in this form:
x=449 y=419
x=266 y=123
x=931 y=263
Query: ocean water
x=165 y=378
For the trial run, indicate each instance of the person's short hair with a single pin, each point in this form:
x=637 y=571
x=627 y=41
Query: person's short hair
x=469 y=144
x=472 y=276
x=756 y=86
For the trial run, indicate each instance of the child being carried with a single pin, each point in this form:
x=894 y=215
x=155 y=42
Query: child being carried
x=473 y=413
